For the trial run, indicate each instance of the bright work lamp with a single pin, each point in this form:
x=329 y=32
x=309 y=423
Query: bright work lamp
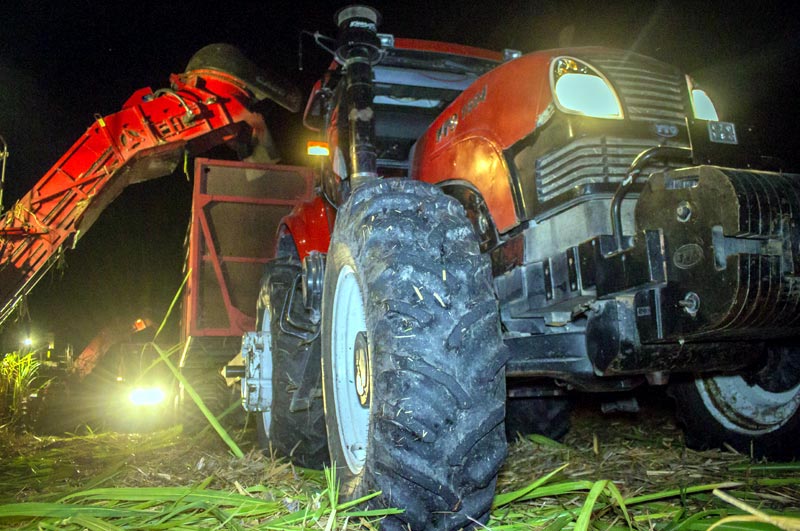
x=580 y=89
x=147 y=396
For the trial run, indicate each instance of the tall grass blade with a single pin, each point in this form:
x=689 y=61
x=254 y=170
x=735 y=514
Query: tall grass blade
x=504 y=499
x=175 y=300
x=673 y=493
x=585 y=516
x=200 y=405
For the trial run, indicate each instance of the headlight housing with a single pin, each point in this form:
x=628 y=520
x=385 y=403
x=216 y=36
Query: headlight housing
x=581 y=89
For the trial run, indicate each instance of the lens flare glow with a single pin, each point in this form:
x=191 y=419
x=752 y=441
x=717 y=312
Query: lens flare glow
x=147 y=396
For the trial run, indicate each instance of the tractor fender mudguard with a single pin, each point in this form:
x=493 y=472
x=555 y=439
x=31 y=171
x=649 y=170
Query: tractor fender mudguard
x=476 y=209
x=480 y=163
x=309 y=227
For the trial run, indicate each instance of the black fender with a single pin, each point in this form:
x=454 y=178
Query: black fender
x=477 y=211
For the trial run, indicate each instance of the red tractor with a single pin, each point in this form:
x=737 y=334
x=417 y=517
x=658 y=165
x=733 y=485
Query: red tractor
x=493 y=231
x=489 y=233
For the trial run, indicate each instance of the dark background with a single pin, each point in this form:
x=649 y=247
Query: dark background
x=62 y=62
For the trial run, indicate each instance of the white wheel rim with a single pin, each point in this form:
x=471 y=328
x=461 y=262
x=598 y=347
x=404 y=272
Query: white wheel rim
x=351 y=417
x=744 y=408
x=266 y=362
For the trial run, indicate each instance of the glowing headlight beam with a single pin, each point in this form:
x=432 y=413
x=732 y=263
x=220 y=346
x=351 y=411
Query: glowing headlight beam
x=588 y=95
x=147 y=396
x=703 y=106
x=580 y=89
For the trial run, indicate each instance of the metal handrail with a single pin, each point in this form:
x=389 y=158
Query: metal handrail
x=634 y=170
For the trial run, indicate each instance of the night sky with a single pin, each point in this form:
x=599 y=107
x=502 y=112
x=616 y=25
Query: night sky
x=62 y=62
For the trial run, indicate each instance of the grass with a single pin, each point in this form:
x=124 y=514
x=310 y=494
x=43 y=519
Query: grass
x=18 y=380
x=607 y=476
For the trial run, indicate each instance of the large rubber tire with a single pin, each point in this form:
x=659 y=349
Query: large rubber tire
x=720 y=410
x=411 y=327
x=299 y=435
x=548 y=416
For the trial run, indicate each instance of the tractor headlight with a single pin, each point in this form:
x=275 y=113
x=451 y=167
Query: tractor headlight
x=147 y=396
x=580 y=89
x=703 y=106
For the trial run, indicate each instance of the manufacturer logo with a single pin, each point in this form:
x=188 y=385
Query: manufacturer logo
x=666 y=130
x=369 y=26
x=687 y=256
x=449 y=126
x=476 y=100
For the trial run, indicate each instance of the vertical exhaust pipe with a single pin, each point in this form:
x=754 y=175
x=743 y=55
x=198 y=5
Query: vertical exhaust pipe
x=358 y=48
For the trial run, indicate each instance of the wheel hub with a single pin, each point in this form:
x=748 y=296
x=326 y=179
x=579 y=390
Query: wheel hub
x=747 y=408
x=362 y=369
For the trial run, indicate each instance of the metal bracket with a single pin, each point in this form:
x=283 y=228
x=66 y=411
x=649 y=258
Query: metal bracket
x=257 y=382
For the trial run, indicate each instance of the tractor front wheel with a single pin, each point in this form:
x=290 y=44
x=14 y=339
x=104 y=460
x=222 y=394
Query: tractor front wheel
x=757 y=415
x=413 y=363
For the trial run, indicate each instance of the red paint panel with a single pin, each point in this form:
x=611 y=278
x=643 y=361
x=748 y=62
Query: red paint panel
x=499 y=109
x=310 y=225
x=446 y=47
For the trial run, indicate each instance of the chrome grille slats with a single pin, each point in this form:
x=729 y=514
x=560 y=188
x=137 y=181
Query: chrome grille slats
x=650 y=92
x=589 y=160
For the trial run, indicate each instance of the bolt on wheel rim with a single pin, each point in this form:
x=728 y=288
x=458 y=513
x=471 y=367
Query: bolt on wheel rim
x=348 y=369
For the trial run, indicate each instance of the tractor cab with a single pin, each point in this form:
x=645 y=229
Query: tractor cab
x=414 y=81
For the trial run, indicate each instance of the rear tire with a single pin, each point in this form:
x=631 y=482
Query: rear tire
x=720 y=410
x=211 y=387
x=413 y=362
x=300 y=434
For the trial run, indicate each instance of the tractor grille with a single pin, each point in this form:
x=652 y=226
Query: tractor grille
x=590 y=160
x=650 y=90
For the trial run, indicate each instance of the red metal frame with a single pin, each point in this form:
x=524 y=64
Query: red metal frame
x=205 y=248
x=144 y=140
x=447 y=47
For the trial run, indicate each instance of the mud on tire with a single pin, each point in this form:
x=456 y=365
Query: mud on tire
x=429 y=362
x=300 y=433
